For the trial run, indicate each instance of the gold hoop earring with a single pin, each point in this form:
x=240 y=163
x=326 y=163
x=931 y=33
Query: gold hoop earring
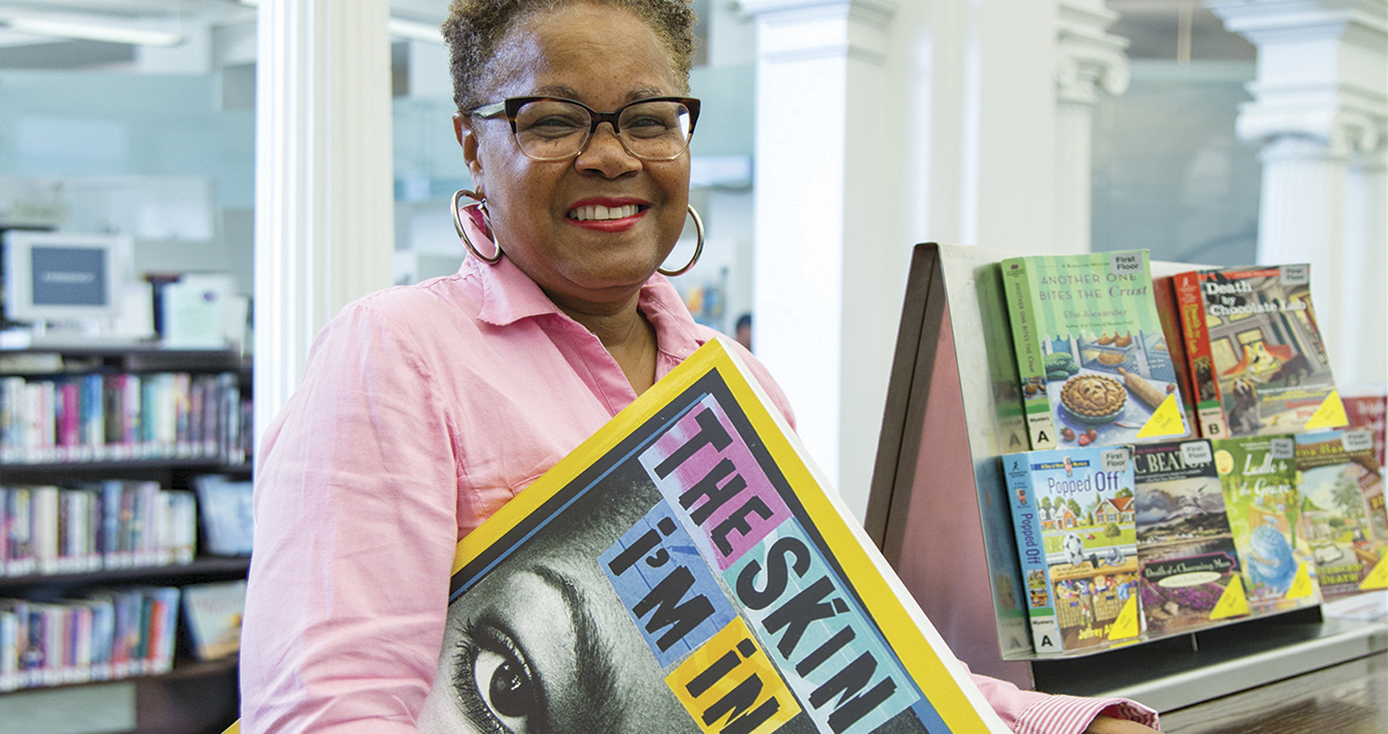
x=698 y=247
x=481 y=206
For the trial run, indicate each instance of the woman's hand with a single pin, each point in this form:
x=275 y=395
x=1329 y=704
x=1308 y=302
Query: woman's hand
x=1110 y=725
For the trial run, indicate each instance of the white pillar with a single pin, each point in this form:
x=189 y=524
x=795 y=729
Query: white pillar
x=324 y=231
x=820 y=245
x=1320 y=111
x=1089 y=60
x=881 y=124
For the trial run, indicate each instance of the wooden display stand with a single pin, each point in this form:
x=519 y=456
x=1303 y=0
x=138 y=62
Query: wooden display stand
x=939 y=512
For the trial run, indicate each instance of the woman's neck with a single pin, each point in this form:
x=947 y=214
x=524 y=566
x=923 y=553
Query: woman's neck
x=628 y=337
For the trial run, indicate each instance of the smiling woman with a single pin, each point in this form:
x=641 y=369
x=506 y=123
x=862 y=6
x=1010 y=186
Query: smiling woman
x=426 y=408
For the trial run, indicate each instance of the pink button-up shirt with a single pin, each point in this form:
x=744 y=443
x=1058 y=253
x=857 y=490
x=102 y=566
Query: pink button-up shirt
x=423 y=410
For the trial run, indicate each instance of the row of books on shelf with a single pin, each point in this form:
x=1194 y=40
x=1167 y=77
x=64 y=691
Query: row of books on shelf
x=123 y=416
x=1119 y=544
x=105 y=525
x=110 y=634
x=1109 y=355
x=104 y=635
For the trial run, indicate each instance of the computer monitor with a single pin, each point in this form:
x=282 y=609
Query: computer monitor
x=59 y=277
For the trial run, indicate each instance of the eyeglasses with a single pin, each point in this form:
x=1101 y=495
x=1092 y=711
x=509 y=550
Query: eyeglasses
x=554 y=128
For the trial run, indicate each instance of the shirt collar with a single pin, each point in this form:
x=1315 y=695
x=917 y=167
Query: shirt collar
x=509 y=295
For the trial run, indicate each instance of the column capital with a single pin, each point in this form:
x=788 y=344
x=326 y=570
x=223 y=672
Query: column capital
x=1322 y=72
x=1087 y=57
x=801 y=29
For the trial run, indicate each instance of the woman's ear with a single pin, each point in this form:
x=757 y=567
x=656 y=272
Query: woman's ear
x=467 y=138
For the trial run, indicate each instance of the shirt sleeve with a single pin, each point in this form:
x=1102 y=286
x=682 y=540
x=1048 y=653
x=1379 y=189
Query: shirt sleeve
x=355 y=508
x=1031 y=712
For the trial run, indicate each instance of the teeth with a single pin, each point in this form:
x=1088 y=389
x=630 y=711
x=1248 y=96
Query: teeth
x=599 y=212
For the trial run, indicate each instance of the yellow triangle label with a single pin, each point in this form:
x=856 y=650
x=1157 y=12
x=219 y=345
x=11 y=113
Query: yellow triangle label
x=1166 y=420
x=1377 y=578
x=1233 y=602
x=1302 y=586
x=1126 y=625
x=1331 y=414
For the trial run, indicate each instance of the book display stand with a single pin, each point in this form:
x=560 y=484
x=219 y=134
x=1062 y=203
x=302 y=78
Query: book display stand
x=938 y=509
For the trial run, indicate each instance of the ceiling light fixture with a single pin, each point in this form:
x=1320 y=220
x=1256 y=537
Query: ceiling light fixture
x=93 y=32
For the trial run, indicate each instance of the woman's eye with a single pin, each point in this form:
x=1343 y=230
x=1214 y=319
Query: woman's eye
x=553 y=126
x=647 y=125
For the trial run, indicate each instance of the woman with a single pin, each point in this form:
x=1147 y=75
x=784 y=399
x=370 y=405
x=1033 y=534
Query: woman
x=426 y=408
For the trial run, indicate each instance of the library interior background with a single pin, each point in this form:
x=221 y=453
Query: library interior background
x=199 y=140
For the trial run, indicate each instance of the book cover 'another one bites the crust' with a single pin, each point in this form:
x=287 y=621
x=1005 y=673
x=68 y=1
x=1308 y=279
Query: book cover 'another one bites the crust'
x=1094 y=364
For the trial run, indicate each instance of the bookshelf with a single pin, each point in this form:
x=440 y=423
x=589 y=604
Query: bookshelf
x=938 y=510
x=183 y=418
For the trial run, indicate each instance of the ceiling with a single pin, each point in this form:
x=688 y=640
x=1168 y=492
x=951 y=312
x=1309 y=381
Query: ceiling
x=1156 y=29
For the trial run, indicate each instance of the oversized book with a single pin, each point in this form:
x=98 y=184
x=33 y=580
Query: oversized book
x=1255 y=352
x=1342 y=511
x=1258 y=476
x=1072 y=510
x=1185 y=547
x=687 y=567
x=1094 y=365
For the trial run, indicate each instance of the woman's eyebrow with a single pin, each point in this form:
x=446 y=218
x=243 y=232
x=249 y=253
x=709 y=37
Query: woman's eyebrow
x=594 y=668
x=567 y=92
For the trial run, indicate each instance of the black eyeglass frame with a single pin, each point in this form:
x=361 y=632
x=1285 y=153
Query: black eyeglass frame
x=510 y=107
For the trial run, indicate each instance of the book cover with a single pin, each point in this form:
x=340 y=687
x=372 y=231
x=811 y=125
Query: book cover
x=1342 y=511
x=1256 y=353
x=1368 y=411
x=687 y=564
x=1258 y=476
x=213 y=613
x=1169 y=314
x=1188 y=565
x=1077 y=542
x=1094 y=363
x=225 y=513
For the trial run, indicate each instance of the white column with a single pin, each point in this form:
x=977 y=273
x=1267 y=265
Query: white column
x=820 y=245
x=881 y=124
x=324 y=192
x=1089 y=61
x=1320 y=111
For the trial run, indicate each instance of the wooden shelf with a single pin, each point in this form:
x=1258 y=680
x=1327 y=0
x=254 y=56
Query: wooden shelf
x=206 y=568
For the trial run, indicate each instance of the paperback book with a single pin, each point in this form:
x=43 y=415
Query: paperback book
x=1368 y=411
x=213 y=612
x=1342 y=511
x=1258 y=476
x=1187 y=562
x=1073 y=513
x=734 y=591
x=1094 y=365
x=1255 y=352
